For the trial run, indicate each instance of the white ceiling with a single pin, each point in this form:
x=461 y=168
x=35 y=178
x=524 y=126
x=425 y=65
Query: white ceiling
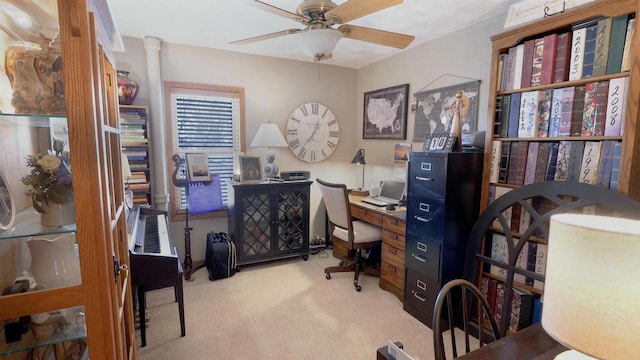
x=215 y=23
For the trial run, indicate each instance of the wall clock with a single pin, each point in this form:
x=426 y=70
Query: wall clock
x=312 y=132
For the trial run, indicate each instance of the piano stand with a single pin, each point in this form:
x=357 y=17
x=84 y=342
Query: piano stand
x=177 y=287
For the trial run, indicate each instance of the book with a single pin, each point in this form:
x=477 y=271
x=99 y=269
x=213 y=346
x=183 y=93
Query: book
x=500 y=76
x=521 y=310
x=589 y=50
x=497 y=310
x=517 y=79
x=531 y=261
x=577 y=53
x=615 y=165
x=578 y=110
x=548 y=59
x=491 y=293
x=536 y=315
x=544 y=150
x=499 y=252
x=528 y=120
x=568 y=94
x=495 y=161
x=516 y=212
x=501 y=190
x=628 y=46
x=589 y=109
x=541 y=264
x=616 y=101
x=536 y=66
x=506 y=105
x=551 y=162
x=562 y=161
x=527 y=63
x=603 y=177
x=590 y=159
x=514 y=115
x=497 y=120
x=544 y=112
x=511 y=68
x=563 y=58
x=556 y=112
x=521 y=260
x=532 y=158
x=575 y=160
x=517 y=162
x=602 y=96
x=602 y=46
x=504 y=162
x=616 y=43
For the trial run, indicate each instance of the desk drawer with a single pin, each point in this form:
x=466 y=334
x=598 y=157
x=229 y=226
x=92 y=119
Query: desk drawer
x=392 y=265
x=423 y=256
x=394 y=224
x=367 y=215
x=421 y=292
x=393 y=239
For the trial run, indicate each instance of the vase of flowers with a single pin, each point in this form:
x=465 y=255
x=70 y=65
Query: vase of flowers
x=51 y=189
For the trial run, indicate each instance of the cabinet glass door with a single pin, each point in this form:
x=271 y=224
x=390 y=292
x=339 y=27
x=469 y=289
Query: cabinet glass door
x=256 y=219
x=291 y=221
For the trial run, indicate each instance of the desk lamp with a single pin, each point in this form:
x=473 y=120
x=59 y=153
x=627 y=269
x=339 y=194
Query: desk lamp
x=592 y=286
x=269 y=136
x=359 y=159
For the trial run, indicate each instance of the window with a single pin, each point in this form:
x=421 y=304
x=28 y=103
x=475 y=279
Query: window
x=205 y=119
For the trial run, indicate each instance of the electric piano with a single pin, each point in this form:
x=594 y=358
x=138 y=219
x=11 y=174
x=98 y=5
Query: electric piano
x=154 y=261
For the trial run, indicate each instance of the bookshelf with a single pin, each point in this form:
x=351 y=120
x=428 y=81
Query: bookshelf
x=134 y=137
x=584 y=137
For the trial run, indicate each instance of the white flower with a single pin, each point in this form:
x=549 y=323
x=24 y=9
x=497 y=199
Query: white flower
x=50 y=163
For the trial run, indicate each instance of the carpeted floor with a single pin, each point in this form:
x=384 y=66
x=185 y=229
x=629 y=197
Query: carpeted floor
x=281 y=310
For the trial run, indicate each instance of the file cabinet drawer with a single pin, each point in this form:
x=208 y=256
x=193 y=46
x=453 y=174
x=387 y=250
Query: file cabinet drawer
x=428 y=175
x=425 y=216
x=393 y=239
x=421 y=292
x=366 y=215
x=423 y=256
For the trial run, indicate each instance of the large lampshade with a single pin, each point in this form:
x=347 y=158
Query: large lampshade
x=592 y=285
x=269 y=136
x=319 y=42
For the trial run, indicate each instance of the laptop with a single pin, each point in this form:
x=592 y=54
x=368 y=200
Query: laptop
x=390 y=194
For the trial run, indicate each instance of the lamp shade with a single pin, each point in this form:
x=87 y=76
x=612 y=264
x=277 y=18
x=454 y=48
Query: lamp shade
x=319 y=42
x=359 y=158
x=268 y=135
x=592 y=285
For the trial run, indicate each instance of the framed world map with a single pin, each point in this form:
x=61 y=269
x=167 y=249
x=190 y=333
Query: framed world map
x=385 y=113
x=434 y=113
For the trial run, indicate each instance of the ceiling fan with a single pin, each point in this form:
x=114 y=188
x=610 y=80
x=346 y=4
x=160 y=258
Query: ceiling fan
x=319 y=17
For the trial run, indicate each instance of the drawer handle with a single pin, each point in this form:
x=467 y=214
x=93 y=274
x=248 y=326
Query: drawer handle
x=419 y=296
x=423 y=219
x=420 y=258
x=422 y=178
x=421 y=284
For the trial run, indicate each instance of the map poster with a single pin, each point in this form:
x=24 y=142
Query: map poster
x=385 y=113
x=434 y=111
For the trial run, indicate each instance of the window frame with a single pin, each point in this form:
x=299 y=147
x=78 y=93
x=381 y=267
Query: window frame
x=171 y=87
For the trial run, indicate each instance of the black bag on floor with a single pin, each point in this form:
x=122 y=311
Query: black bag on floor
x=220 y=258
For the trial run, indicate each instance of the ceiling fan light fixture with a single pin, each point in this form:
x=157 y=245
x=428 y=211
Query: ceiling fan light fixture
x=319 y=43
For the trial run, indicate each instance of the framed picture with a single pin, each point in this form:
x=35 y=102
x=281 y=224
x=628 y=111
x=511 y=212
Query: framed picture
x=434 y=112
x=197 y=167
x=250 y=169
x=385 y=113
x=7 y=205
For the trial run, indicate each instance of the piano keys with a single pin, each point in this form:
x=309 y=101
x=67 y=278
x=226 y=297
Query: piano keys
x=154 y=261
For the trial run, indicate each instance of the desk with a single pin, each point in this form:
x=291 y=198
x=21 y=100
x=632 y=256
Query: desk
x=529 y=343
x=393 y=227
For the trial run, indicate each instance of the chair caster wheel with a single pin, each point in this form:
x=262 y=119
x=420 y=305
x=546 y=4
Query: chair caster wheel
x=328 y=276
x=358 y=288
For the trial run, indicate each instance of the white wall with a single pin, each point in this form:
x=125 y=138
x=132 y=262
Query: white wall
x=274 y=87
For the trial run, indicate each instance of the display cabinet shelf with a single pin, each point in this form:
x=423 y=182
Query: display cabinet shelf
x=27 y=224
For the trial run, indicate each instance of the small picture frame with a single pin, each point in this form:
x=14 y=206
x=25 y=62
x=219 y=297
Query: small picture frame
x=7 y=205
x=250 y=170
x=197 y=167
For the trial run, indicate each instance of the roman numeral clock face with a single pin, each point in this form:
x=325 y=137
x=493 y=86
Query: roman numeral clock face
x=312 y=132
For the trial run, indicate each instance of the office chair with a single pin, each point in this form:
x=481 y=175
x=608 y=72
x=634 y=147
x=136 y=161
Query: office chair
x=357 y=235
x=464 y=301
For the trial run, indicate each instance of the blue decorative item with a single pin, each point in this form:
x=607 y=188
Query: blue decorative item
x=205 y=196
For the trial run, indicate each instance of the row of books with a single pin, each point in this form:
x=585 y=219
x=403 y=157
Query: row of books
x=592 y=48
x=525 y=162
x=592 y=109
x=532 y=257
x=526 y=309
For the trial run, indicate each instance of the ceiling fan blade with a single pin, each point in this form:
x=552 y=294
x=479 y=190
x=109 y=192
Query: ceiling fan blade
x=381 y=37
x=277 y=11
x=265 y=37
x=354 y=9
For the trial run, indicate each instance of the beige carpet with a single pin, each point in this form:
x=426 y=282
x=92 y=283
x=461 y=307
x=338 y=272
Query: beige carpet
x=281 y=310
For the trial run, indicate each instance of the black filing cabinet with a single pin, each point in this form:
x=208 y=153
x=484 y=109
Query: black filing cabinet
x=443 y=201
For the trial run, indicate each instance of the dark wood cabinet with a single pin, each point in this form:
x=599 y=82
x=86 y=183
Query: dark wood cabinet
x=269 y=221
x=442 y=205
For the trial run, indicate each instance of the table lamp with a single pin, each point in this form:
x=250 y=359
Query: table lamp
x=592 y=286
x=359 y=159
x=269 y=136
